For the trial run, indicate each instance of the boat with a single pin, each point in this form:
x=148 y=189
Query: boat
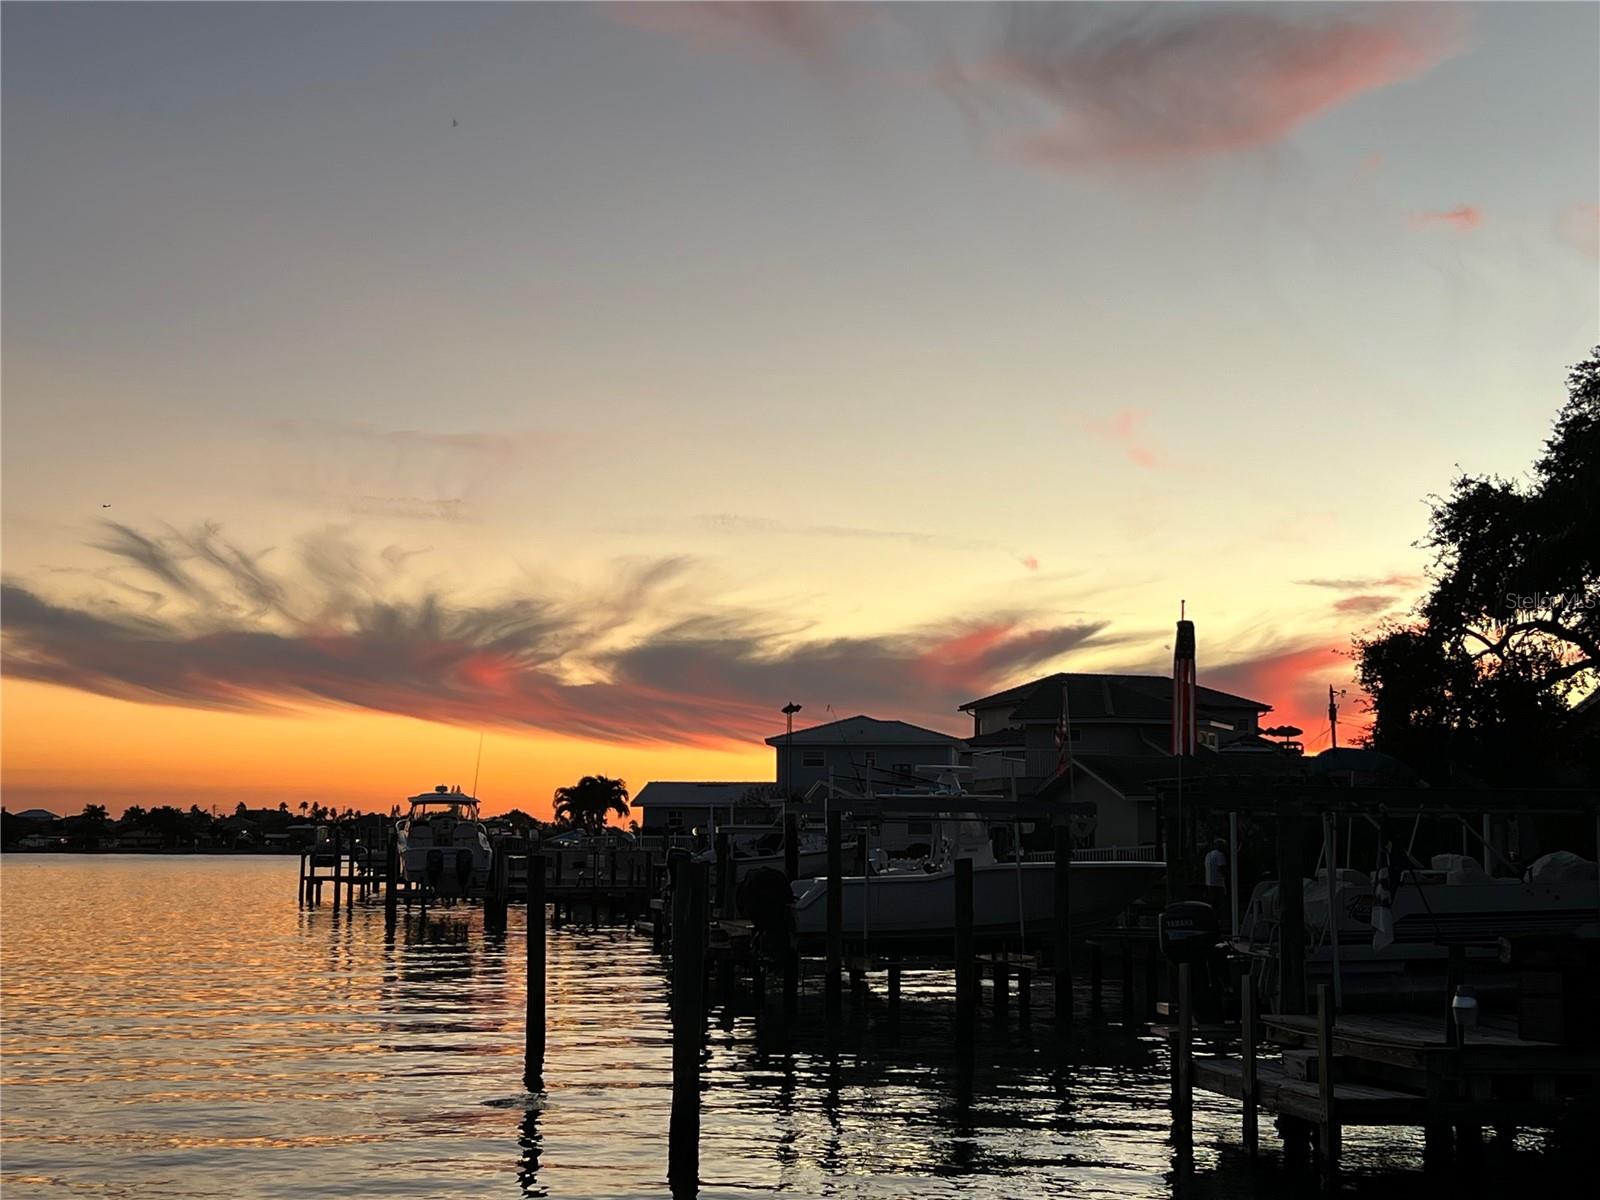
x=443 y=843
x=1453 y=901
x=909 y=902
x=761 y=846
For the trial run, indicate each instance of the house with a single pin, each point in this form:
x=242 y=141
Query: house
x=674 y=806
x=41 y=841
x=863 y=754
x=1014 y=732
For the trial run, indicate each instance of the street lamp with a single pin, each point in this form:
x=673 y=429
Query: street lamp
x=788 y=711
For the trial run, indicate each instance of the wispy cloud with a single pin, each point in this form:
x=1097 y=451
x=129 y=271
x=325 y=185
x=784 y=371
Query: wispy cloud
x=1358 y=584
x=1463 y=218
x=1125 y=430
x=814 y=32
x=1135 y=86
x=645 y=657
x=1364 y=604
x=1579 y=225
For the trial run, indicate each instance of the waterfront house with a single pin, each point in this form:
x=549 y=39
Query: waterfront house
x=1014 y=732
x=863 y=754
x=678 y=806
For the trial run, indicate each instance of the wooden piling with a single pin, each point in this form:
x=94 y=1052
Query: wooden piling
x=391 y=881
x=1328 y=1129
x=1127 y=984
x=725 y=874
x=1183 y=1056
x=1292 y=913
x=966 y=961
x=791 y=846
x=301 y=892
x=688 y=1021
x=1096 y=981
x=534 y=1040
x=1024 y=993
x=1247 y=1041
x=1063 y=925
x=835 y=915
x=497 y=904
x=1002 y=988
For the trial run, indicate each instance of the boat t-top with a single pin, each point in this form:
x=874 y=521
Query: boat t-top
x=444 y=844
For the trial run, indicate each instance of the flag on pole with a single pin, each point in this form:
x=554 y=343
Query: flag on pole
x=1184 y=727
x=1064 y=734
x=1383 y=895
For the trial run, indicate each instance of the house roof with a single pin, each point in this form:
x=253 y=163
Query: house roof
x=36 y=814
x=694 y=793
x=864 y=730
x=1104 y=698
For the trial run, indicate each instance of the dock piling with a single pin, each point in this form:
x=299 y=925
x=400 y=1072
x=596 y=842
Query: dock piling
x=1292 y=914
x=391 y=881
x=966 y=961
x=1063 y=927
x=1183 y=1057
x=835 y=915
x=533 y=1052
x=1247 y=1043
x=688 y=1020
x=1328 y=1129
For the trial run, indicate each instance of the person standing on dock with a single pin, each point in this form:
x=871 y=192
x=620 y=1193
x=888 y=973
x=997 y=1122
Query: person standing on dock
x=1216 y=869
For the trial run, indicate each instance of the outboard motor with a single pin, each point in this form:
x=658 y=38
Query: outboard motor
x=435 y=868
x=463 y=870
x=1189 y=933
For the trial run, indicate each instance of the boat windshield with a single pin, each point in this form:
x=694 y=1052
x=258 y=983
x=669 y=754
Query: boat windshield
x=423 y=807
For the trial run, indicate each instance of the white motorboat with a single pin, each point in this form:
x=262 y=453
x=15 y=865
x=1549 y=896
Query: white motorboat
x=1453 y=902
x=761 y=846
x=444 y=844
x=1009 y=899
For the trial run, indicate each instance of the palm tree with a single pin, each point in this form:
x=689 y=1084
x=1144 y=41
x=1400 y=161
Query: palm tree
x=587 y=803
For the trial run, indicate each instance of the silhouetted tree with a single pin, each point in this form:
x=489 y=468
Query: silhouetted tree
x=587 y=803
x=1484 y=676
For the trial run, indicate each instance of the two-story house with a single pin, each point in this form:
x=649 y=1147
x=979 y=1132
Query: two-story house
x=863 y=755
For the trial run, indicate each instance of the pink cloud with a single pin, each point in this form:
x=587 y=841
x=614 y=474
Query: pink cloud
x=1579 y=225
x=1462 y=217
x=1030 y=562
x=1125 y=429
x=812 y=31
x=1128 y=88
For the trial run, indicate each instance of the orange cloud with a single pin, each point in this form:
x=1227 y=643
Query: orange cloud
x=1462 y=217
x=1128 y=88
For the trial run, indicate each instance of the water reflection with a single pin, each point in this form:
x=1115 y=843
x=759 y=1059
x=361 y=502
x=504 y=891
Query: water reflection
x=176 y=1027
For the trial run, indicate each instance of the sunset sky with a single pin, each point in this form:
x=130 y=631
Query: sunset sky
x=601 y=378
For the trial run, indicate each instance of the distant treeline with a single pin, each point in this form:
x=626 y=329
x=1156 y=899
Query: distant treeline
x=244 y=830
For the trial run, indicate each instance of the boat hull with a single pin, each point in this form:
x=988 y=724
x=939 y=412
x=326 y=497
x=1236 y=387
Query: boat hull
x=1008 y=900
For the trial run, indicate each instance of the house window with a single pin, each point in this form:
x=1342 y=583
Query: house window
x=811 y=758
x=674 y=820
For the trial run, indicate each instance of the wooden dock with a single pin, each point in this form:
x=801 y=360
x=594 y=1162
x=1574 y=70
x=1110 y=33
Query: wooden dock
x=1320 y=1073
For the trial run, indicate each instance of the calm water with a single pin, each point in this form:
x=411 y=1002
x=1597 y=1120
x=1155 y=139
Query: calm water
x=174 y=1026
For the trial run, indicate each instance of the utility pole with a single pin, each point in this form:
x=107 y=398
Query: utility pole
x=1333 y=716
